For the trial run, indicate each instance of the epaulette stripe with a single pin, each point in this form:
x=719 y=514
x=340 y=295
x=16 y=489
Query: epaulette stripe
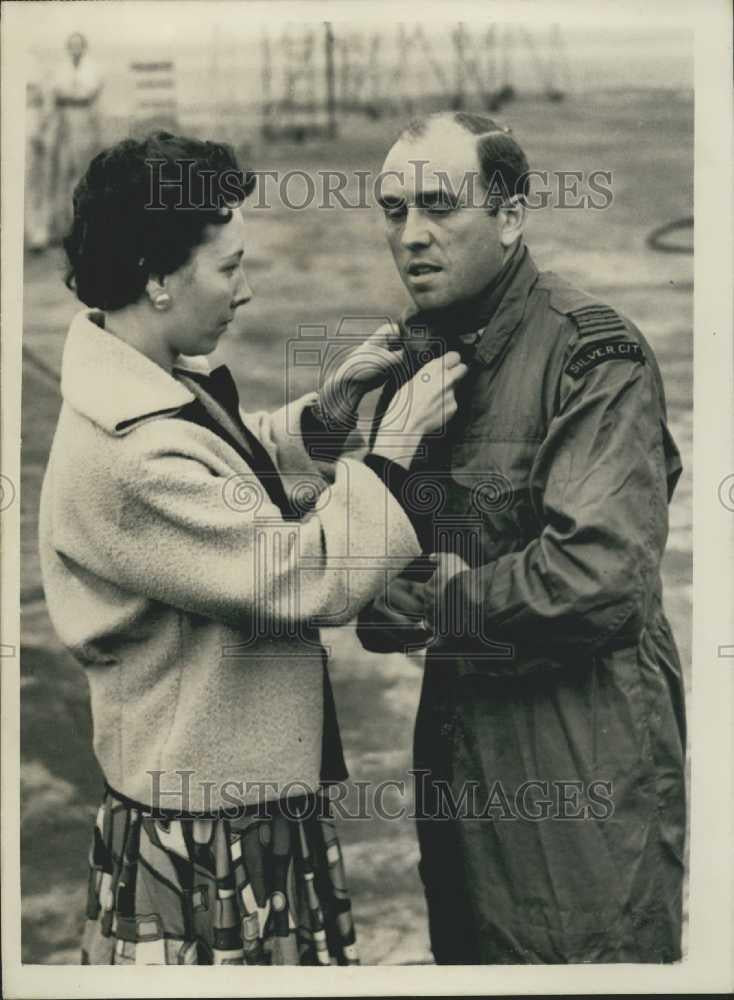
x=596 y=307
x=588 y=331
x=593 y=321
x=590 y=317
x=597 y=318
x=589 y=314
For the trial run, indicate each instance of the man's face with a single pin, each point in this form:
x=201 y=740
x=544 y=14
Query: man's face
x=446 y=245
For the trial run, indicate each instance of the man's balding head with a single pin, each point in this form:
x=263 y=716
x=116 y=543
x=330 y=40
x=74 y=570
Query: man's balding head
x=452 y=190
x=503 y=166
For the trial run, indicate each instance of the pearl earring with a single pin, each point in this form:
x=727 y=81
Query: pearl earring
x=162 y=301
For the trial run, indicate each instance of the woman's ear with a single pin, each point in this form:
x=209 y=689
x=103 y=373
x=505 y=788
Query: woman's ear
x=155 y=289
x=512 y=218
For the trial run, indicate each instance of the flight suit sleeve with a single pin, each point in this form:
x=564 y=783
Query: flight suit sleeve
x=588 y=578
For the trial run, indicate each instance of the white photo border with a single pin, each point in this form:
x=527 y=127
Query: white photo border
x=708 y=966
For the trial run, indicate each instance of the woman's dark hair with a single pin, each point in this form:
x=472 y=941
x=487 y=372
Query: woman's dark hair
x=141 y=208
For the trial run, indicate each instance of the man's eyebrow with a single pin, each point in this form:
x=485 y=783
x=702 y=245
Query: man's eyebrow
x=423 y=199
x=436 y=196
x=235 y=255
x=389 y=200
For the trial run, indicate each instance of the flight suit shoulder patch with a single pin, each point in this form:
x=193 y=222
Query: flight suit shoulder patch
x=593 y=319
x=609 y=349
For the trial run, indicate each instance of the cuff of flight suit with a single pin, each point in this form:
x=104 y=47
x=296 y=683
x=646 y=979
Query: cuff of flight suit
x=463 y=617
x=327 y=437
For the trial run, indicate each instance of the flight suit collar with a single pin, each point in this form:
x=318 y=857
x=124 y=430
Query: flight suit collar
x=481 y=329
x=509 y=311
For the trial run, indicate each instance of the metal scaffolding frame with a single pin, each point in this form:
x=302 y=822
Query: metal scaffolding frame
x=311 y=76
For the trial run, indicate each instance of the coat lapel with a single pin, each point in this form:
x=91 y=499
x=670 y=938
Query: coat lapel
x=216 y=407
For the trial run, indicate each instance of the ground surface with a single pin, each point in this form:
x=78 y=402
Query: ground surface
x=315 y=267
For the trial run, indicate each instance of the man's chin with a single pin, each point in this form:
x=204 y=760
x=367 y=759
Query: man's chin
x=430 y=300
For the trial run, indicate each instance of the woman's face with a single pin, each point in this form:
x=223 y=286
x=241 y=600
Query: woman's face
x=207 y=290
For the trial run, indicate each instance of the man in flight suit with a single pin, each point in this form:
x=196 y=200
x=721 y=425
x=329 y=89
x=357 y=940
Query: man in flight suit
x=549 y=742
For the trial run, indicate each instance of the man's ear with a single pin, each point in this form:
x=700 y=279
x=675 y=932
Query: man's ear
x=512 y=218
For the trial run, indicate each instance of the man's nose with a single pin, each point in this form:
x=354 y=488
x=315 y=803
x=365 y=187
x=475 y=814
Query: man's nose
x=415 y=231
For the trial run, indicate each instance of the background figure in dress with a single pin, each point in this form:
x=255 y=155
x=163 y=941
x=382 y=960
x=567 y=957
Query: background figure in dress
x=36 y=220
x=74 y=130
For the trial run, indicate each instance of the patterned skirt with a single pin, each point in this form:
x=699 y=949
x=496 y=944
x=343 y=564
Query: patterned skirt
x=262 y=889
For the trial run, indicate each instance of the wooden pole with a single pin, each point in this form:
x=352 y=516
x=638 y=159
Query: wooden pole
x=330 y=89
x=460 y=55
x=267 y=100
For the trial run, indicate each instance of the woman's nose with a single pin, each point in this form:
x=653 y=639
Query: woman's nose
x=243 y=292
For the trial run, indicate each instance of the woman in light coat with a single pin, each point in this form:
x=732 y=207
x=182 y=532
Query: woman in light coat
x=189 y=552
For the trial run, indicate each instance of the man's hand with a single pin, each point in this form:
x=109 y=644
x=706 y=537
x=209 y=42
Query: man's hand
x=405 y=601
x=395 y=621
x=411 y=614
x=367 y=367
x=448 y=565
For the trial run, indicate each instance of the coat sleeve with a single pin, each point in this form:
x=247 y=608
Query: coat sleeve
x=300 y=432
x=181 y=529
x=282 y=435
x=588 y=578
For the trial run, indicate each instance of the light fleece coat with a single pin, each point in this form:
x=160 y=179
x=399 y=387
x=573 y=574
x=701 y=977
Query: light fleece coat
x=177 y=584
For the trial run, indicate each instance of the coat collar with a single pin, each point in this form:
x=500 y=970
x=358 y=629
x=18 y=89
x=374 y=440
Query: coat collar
x=113 y=384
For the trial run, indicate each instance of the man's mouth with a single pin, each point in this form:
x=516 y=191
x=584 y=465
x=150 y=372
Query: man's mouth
x=419 y=268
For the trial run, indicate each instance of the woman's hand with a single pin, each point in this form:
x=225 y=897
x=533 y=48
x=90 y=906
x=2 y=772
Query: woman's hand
x=366 y=368
x=430 y=403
